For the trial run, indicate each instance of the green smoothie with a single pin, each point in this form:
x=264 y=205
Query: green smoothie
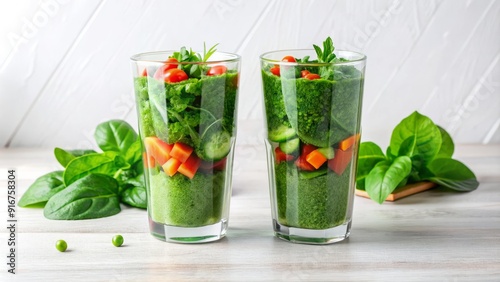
x=313 y=119
x=188 y=131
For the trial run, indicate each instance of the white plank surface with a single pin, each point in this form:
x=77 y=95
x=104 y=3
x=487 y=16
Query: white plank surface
x=432 y=236
x=440 y=57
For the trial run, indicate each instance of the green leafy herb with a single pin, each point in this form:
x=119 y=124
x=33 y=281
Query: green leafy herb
x=452 y=174
x=115 y=135
x=326 y=55
x=135 y=196
x=385 y=176
x=42 y=189
x=93 y=196
x=370 y=154
x=117 y=175
x=419 y=151
x=105 y=163
x=193 y=70
x=210 y=52
x=64 y=157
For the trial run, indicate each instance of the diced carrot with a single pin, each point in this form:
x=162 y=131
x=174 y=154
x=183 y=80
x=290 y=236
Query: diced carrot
x=316 y=159
x=181 y=152
x=282 y=156
x=158 y=149
x=307 y=148
x=171 y=166
x=302 y=163
x=148 y=160
x=341 y=160
x=190 y=167
x=348 y=142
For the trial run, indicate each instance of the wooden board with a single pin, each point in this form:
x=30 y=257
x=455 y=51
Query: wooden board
x=403 y=191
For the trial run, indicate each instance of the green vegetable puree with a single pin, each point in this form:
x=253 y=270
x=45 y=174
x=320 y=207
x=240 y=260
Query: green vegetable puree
x=179 y=201
x=191 y=112
x=312 y=203
x=322 y=112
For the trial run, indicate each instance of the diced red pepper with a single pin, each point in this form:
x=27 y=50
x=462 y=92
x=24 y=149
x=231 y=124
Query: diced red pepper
x=282 y=156
x=301 y=163
x=190 y=167
x=181 y=151
x=158 y=149
x=341 y=160
x=171 y=166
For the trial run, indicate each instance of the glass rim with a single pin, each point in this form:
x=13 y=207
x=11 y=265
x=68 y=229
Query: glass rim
x=137 y=57
x=362 y=58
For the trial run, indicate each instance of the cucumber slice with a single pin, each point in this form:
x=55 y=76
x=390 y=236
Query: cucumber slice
x=327 y=152
x=291 y=146
x=281 y=133
x=215 y=146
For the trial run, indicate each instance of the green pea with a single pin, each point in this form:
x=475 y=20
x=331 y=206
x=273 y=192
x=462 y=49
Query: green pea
x=61 y=245
x=117 y=240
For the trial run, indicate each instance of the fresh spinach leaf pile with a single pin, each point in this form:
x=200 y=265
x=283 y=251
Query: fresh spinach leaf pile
x=92 y=184
x=419 y=151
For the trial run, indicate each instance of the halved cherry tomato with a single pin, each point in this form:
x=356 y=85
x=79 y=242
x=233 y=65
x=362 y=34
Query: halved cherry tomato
x=281 y=156
x=144 y=72
x=312 y=76
x=217 y=70
x=171 y=63
x=289 y=59
x=275 y=70
x=304 y=73
x=173 y=75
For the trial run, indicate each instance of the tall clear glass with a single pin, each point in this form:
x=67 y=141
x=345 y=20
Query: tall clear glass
x=313 y=114
x=187 y=125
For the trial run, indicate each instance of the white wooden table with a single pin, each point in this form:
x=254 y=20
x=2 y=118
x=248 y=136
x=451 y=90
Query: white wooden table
x=435 y=235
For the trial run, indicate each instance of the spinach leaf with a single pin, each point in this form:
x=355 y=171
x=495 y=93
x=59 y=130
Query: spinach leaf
x=135 y=196
x=447 y=146
x=452 y=174
x=64 y=157
x=368 y=156
x=104 y=163
x=115 y=135
x=92 y=196
x=419 y=135
x=386 y=176
x=134 y=152
x=42 y=189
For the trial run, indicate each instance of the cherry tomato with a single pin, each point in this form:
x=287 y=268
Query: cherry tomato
x=275 y=70
x=289 y=59
x=312 y=76
x=144 y=72
x=304 y=73
x=217 y=70
x=174 y=75
x=171 y=63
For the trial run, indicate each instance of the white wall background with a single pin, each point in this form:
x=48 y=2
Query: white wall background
x=64 y=65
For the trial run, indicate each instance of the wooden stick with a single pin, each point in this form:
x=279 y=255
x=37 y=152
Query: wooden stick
x=404 y=191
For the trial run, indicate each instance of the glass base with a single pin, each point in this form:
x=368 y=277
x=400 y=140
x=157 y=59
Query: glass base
x=188 y=235
x=312 y=236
